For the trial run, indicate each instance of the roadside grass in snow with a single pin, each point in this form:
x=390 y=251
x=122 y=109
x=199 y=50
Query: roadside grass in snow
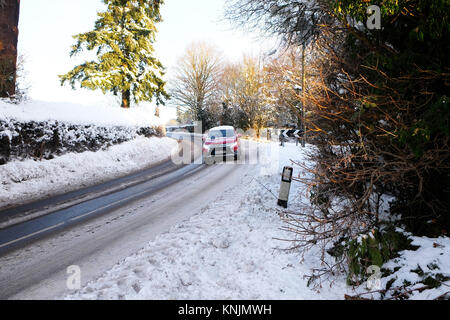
x=421 y=273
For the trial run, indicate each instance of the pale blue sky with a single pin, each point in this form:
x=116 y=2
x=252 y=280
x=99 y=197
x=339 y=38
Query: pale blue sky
x=46 y=28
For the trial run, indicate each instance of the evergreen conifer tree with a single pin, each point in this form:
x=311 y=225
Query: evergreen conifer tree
x=123 y=38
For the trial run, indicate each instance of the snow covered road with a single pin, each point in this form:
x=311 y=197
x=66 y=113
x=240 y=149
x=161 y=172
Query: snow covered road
x=226 y=250
x=39 y=269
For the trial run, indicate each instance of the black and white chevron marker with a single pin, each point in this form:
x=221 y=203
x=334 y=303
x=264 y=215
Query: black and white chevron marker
x=291 y=133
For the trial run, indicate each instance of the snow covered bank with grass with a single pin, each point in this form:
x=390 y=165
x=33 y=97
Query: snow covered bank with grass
x=421 y=274
x=24 y=181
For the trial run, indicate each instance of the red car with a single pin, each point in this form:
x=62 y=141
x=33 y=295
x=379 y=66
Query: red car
x=220 y=143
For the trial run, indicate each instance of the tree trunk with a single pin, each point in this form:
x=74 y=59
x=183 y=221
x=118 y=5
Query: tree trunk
x=9 y=32
x=303 y=96
x=126 y=99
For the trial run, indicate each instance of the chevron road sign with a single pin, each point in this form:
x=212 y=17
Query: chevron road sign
x=292 y=133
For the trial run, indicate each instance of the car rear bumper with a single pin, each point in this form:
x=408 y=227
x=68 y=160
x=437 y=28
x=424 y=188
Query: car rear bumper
x=217 y=153
x=221 y=151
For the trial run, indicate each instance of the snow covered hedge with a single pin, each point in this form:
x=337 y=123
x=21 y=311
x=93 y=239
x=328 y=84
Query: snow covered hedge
x=43 y=130
x=47 y=139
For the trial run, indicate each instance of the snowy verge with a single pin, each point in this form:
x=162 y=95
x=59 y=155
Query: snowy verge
x=416 y=268
x=28 y=180
x=420 y=274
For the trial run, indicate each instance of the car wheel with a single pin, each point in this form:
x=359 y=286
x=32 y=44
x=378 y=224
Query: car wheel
x=208 y=160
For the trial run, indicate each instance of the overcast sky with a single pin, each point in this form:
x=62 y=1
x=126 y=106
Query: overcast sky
x=46 y=28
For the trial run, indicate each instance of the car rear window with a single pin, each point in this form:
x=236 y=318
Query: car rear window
x=221 y=134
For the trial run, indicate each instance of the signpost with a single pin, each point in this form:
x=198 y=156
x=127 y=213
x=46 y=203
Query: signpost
x=286 y=179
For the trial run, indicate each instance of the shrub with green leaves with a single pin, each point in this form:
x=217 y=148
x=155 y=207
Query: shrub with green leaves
x=371 y=249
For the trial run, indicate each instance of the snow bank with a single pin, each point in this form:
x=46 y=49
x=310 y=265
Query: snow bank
x=413 y=267
x=30 y=179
